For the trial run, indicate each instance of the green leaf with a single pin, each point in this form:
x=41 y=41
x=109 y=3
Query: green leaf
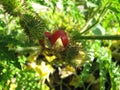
x=99 y=30
x=90 y=4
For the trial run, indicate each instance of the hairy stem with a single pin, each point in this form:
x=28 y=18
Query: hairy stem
x=107 y=37
x=22 y=49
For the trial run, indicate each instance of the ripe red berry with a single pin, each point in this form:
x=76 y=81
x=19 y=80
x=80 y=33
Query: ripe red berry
x=48 y=35
x=41 y=42
x=57 y=34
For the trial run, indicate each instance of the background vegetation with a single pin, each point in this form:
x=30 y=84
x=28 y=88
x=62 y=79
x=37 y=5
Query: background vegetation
x=91 y=61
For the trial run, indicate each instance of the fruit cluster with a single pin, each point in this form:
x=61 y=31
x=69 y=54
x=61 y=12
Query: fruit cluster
x=58 y=38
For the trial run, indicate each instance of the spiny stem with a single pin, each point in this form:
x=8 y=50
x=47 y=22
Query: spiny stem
x=106 y=37
x=22 y=49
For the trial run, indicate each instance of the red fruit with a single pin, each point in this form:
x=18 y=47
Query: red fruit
x=41 y=41
x=57 y=34
x=48 y=34
x=64 y=40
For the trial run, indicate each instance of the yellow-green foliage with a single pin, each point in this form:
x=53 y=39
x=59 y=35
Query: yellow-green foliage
x=13 y=7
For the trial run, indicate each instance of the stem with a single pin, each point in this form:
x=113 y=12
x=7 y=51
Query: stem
x=22 y=49
x=86 y=29
x=60 y=84
x=68 y=88
x=107 y=37
x=86 y=26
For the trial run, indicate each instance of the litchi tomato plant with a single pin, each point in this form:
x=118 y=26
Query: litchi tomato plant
x=59 y=45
